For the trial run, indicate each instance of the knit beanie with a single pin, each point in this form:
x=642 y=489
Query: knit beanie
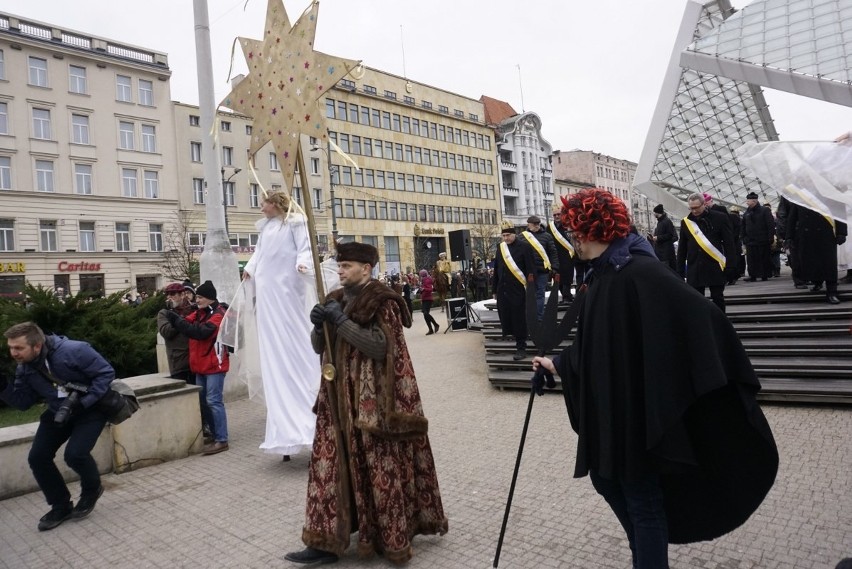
x=207 y=290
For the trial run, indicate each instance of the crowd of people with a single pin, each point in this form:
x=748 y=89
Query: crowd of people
x=679 y=450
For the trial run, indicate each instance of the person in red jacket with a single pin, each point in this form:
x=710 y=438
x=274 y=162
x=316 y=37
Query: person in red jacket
x=427 y=290
x=207 y=358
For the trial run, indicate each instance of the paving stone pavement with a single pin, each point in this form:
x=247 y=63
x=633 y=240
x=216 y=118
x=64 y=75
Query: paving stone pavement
x=243 y=508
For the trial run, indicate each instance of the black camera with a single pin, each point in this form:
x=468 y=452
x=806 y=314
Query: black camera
x=67 y=407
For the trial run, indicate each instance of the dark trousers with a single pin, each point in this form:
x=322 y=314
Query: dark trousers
x=206 y=415
x=426 y=306
x=759 y=264
x=81 y=432
x=717 y=295
x=640 y=510
x=513 y=319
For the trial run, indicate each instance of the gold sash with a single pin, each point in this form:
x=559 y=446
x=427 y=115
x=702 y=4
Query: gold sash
x=511 y=264
x=538 y=248
x=705 y=244
x=564 y=243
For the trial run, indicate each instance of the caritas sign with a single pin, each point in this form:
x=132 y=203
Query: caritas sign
x=83 y=267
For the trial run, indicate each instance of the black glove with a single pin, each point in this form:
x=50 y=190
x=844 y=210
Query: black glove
x=317 y=315
x=841 y=239
x=172 y=316
x=334 y=313
x=541 y=379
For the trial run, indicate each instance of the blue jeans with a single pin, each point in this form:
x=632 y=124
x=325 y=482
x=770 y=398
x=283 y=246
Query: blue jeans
x=82 y=432
x=212 y=386
x=639 y=507
x=540 y=284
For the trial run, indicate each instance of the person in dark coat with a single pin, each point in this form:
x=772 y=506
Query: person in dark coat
x=758 y=232
x=817 y=238
x=705 y=255
x=660 y=392
x=45 y=365
x=565 y=253
x=784 y=208
x=513 y=268
x=544 y=253
x=664 y=238
x=738 y=270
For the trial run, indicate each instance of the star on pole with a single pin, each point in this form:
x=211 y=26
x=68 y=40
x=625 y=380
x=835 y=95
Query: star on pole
x=286 y=78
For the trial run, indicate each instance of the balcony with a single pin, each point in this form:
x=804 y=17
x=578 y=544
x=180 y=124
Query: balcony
x=510 y=191
x=508 y=166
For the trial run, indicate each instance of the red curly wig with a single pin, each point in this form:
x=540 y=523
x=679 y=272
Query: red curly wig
x=595 y=215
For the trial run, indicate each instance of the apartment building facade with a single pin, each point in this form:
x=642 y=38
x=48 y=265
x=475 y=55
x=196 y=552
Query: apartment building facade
x=86 y=184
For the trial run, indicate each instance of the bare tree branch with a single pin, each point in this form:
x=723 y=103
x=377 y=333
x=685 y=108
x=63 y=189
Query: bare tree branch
x=181 y=259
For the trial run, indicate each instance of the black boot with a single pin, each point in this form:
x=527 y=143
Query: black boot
x=309 y=555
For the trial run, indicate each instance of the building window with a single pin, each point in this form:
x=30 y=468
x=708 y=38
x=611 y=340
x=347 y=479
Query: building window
x=443 y=109
x=194 y=120
x=41 y=124
x=38 y=71
x=122 y=237
x=395 y=124
x=314 y=165
x=227 y=156
x=226 y=126
x=5 y=173
x=7 y=235
x=155 y=236
x=198 y=190
x=248 y=129
x=4 y=118
x=44 y=175
x=87 y=236
x=128 y=182
x=47 y=235
x=126 y=132
x=77 y=79
x=149 y=138
x=80 y=129
x=273 y=162
x=254 y=195
x=195 y=151
x=83 y=179
x=152 y=185
x=146 y=93
x=369 y=89
x=473 y=117
x=390 y=95
x=2 y=65
x=123 y=89
x=229 y=193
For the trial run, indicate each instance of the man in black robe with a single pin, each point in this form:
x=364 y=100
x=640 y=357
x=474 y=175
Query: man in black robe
x=511 y=277
x=758 y=233
x=661 y=394
x=705 y=255
x=816 y=238
x=664 y=238
x=565 y=253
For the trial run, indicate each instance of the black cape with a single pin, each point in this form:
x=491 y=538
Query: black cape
x=658 y=381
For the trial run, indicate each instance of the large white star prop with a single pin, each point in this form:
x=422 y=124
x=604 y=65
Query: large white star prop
x=286 y=77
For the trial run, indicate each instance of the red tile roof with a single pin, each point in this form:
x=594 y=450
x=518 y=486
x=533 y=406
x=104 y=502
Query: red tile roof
x=496 y=111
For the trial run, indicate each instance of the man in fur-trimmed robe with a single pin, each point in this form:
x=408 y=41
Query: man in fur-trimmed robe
x=371 y=468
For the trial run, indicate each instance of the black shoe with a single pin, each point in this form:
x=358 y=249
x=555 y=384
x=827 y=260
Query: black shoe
x=801 y=286
x=430 y=332
x=86 y=504
x=816 y=287
x=309 y=555
x=286 y=458
x=832 y=299
x=750 y=280
x=55 y=516
x=519 y=354
x=437 y=328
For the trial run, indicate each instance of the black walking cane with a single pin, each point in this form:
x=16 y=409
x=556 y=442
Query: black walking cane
x=546 y=336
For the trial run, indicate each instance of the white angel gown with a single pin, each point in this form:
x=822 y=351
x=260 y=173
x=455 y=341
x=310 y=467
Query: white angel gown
x=290 y=370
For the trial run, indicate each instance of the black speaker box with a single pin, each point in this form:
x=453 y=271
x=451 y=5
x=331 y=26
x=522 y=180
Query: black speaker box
x=460 y=245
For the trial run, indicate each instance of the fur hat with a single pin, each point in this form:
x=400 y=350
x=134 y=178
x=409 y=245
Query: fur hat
x=751 y=196
x=357 y=252
x=207 y=290
x=659 y=209
x=534 y=219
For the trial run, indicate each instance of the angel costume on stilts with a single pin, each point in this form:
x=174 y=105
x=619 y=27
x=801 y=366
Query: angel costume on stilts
x=281 y=269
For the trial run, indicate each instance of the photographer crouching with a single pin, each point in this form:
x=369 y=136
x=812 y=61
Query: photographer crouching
x=70 y=376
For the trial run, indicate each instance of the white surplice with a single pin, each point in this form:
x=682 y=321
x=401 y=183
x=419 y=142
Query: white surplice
x=290 y=369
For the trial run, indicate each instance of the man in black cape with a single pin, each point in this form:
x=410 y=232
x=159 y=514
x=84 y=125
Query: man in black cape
x=661 y=393
x=513 y=268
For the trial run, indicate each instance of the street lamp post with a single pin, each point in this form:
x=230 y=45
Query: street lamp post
x=331 y=170
x=225 y=197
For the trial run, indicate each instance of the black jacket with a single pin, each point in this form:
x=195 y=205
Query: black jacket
x=693 y=262
x=758 y=226
x=504 y=283
x=815 y=241
x=666 y=236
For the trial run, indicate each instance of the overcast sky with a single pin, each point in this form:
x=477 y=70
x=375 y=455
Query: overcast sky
x=591 y=69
